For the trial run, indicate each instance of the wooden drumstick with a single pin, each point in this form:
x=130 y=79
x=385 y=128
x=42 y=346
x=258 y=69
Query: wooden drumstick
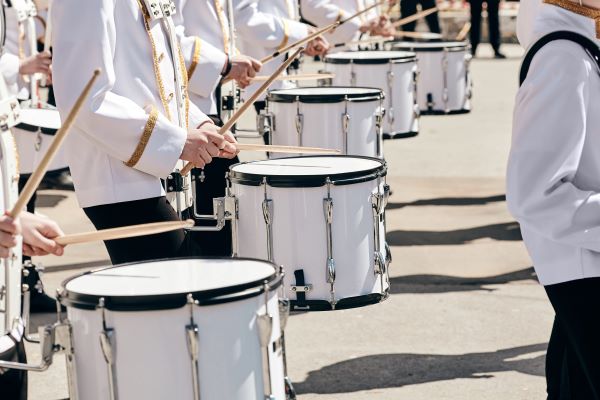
x=300 y=42
x=463 y=32
x=418 y=35
x=37 y=175
x=415 y=17
x=297 y=77
x=373 y=39
x=361 y=12
x=284 y=149
x=248 y=103
x=123 y=232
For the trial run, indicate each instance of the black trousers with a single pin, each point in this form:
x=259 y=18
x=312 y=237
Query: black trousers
x=13 y=383
x=409 y=7
x=493 y=23
x=143 y=248
x=212 y=185
x=573 y=357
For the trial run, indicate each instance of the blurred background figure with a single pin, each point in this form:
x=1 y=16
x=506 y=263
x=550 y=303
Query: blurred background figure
x=493 y=25
x=409 y=7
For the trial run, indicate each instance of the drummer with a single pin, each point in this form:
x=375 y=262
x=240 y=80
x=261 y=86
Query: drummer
x=134 y=129
x=266 y=26
x=324 y=12
x=212 y=41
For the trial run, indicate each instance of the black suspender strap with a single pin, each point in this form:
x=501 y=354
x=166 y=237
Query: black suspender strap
x=300 y=294
x=591 y=47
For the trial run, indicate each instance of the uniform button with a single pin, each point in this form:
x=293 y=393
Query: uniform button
x=161 y=57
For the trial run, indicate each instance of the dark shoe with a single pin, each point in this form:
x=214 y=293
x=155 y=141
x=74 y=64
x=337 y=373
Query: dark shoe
x=58 y=181
x=499 y=56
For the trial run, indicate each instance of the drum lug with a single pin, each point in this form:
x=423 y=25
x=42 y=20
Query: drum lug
x=284 y=312
x=330 y=264
x=266 y=123
x=352 y=78
x=390 y=81
x=445 y=93
x=264 y=324
x=299 y=121
x=379 y=262
x=267 y=210
x=191 y=335
x=388 y=255
x=345 y=125
x=325 y=81
x=107 y=338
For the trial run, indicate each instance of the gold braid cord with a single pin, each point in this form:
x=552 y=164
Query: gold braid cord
x=585 y=11
x=224 y=26
x=148 y=129
x=195 y=57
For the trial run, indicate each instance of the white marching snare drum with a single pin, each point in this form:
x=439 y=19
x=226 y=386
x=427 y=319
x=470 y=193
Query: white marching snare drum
x=177 y=329
x=445 y=85
x=34 y=135
x=343 y=118
x=394 y=72
x=322 y=219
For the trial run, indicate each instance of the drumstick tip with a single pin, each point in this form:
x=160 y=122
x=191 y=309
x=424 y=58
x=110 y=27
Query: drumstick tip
x=97 y=72
x=188 y=223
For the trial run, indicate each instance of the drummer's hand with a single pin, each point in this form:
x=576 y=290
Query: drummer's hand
x=243 y=69
x=40 y=63
x=228 y=136
x=9 y=229
x=319 y=46
x=383 y=27
x=204 y=143
x=38 y=232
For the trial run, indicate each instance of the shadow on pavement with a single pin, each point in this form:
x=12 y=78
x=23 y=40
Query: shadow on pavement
x=425 y=284
x=449 y=201
x=396 y=370
x=48 y=200
x=508 y=231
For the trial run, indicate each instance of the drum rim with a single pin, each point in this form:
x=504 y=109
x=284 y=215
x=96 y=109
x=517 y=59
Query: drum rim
x=276 y=96
x=406 y=46
x=34 y=128
x=306 y=181
x=167 y=301
x=332 y=59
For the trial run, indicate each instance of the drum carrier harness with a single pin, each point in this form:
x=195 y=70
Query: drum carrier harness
x=589 y=46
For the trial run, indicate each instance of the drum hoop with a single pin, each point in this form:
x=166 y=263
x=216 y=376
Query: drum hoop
x=280 y=96
x=34 y=128
x=168 y=301
x=307 y=181
x=371 y=61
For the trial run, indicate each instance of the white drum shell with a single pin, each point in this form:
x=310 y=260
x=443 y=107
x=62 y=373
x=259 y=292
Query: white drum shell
x=436 y=80
x=152 y=357
x=299 y=232
x=402 y=117
x=322 y=126
x=10 y=268
x=32 y=147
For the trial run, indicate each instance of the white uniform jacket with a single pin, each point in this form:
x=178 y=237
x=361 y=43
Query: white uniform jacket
x=202 y=40
x=325 y=12
x=127 y=135
x=553 y=178
x=263 y=27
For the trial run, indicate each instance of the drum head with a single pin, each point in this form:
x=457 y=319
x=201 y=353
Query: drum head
x=329 y=94
x=308 y=171
x=32 y=119
x=369 y=57
x=165 y=284
x=430 y=46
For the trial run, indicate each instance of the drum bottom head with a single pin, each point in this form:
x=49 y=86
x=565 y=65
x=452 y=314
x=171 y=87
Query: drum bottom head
x=451 y=112
x=342 y=304
x=398 y=135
